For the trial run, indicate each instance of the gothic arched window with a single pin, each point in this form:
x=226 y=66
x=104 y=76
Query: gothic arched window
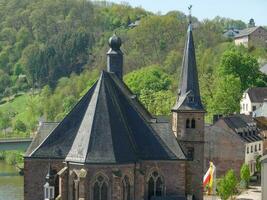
x=126 y=190
x=100 y=189
x=193 y=123
x=155 y=185
x=187 y=123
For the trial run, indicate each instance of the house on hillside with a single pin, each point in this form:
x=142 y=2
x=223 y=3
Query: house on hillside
x=252 y=99
x=231 y=33
x=232 y=141
x=253 y=36
x=109 y=147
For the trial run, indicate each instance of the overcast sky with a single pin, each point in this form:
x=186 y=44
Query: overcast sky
x=202 y=9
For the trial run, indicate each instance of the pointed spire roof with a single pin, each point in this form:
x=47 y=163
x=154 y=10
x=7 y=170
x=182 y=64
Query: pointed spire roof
x=108 y=125
x=188 y=94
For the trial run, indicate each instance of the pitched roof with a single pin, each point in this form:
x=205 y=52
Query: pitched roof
x=263 y=69
x=244 y=126
x=109 y=125
x=246 y=31
x=43 y=131
x=257 y=94
x=189 y=95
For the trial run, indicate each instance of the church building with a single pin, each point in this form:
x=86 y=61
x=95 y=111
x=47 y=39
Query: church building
x=109 y=147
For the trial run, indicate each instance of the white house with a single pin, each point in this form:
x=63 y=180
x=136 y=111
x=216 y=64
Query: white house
x=252 y=99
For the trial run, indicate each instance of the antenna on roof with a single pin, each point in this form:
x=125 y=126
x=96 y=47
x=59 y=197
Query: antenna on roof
x=190 y=13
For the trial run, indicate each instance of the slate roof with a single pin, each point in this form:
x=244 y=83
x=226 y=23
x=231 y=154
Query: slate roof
x=257 y=94
x=189 y=86
x=246 y=31
x=43 y=131
x=244 y=126
x=109 y=125
x=263 y=69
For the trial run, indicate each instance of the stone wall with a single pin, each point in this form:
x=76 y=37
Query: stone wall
x=258 y=38
x=224 y=149
x=173 y=173
x=192 y=142
x=35 y=171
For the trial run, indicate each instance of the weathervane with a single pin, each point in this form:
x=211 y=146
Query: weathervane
x=190 y=13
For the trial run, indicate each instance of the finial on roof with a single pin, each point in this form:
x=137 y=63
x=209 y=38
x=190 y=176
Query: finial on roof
x=190 y=13
x=115 y=56
x=114 y=42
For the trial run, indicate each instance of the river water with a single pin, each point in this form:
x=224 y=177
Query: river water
x=11 y=183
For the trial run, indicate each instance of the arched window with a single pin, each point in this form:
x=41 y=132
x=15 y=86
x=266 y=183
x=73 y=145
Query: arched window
x=187 y=123
x=193 y=123
x=126 y=190
x=155 y=185
x=100 y=189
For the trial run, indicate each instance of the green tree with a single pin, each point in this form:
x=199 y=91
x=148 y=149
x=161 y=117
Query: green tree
x=245 y=174
x=227 y=185
x=242 y=65
x=226 y=96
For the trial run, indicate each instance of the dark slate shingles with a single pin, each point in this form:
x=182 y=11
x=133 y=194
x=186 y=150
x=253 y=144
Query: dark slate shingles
x=108 y=125
x=189 y=86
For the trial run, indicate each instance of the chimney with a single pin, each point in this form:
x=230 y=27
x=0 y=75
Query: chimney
x=115 y=56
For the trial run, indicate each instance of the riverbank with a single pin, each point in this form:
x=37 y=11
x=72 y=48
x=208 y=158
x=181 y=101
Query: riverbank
x=11 y=183
x=13 y=158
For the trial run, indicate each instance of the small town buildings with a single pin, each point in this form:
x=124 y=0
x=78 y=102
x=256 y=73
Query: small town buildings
x=252 y=99
x=264 y=177
x=260 y=117
x=231 y=33
x=252 y=36
x=263 y=69
x=109 y=147
x=232 y=141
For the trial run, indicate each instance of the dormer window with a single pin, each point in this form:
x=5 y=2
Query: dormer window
x=191 y=99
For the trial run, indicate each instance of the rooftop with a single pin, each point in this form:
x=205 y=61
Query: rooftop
x=257 y=94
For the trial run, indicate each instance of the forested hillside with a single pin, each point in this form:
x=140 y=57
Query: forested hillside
x=51 y=52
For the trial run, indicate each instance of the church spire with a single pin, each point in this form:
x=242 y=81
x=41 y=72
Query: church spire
x=188 y=94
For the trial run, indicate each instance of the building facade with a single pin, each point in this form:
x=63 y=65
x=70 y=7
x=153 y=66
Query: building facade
x=252 y=99
x=109 y=147
x=252 y=36
x=232 y=141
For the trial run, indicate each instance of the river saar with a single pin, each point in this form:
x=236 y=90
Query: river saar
x=11 y=183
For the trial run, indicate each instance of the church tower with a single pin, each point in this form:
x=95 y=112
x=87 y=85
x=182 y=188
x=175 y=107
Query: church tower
x=188 y=119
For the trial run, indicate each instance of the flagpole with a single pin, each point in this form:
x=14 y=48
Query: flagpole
x=214 y=184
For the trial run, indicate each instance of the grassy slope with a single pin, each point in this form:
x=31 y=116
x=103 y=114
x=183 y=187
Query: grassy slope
x=21 y=107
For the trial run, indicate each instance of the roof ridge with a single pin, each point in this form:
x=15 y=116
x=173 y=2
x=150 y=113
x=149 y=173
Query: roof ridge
x=123 y=119
x=65 y=118
x=92 y=104
x=154 y=132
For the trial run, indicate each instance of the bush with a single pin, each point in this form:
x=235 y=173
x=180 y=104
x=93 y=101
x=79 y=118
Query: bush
x=13 y=157
x=245 y=174
x=20 y=126
x=227 y=185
